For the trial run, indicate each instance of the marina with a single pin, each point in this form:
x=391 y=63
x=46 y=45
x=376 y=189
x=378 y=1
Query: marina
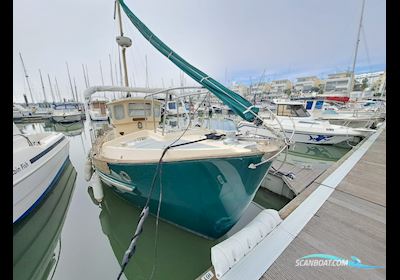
x=204 y=179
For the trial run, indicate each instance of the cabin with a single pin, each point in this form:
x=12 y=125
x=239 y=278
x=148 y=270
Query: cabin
x=98 y=105
x=133 y=114
x=291 y=109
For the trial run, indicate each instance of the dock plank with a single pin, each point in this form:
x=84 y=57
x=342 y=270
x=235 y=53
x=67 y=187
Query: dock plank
x=352 y=222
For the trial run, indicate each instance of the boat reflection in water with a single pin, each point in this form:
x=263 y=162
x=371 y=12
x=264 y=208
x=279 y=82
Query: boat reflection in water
x=313 y=152
x=180 y=254
x=68 y=129
x=35 y=239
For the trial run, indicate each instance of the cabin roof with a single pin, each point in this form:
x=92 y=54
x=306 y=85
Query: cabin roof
x=288 y=102
x=135 y=99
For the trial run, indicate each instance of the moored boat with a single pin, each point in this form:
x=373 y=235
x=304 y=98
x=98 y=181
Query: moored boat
x=66 y=113
x=207 y=179
x=38 y=160
x=300 y=126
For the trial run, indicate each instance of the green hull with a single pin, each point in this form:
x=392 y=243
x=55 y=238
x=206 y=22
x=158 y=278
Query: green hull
x=203 y=196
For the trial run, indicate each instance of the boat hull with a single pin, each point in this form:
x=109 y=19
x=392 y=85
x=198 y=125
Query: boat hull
x=39 y=174
x=299 y=136
x=95 y=117
x=205 y=196
x=67 y=118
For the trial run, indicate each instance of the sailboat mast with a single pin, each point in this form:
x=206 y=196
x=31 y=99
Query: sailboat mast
x=51 y=89
x=70 y=82
x=147 y=73
x=58 y=90
x=111 y=72
x=41 y=81
x=122 y=46
x=26 y=77
x=101 y=73
x=87 y=75
x=356 y=50
x=84 y=76
x=76 y=90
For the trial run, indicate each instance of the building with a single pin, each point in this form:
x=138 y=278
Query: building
x=306 y=84
x=241 y=89
x=280 y=86
x=340 y=82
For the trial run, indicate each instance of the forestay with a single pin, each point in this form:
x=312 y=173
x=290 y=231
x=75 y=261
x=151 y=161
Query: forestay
x=237 y=103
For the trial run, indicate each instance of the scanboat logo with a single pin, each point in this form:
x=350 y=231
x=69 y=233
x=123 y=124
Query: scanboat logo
x=330 y=260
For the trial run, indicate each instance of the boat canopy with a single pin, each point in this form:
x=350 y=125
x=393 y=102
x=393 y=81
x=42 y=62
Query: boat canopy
x=237 y=103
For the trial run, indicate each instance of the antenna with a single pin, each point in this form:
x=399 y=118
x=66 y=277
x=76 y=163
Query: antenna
x=26 y=77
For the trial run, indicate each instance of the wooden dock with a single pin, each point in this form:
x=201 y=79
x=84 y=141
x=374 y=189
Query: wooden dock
x=351 y=222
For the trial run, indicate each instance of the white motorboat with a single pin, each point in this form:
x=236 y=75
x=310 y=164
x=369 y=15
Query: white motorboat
x=298 y=125
x=66 y=113
x=38 y=160
x=98 y=109
x=366 y=114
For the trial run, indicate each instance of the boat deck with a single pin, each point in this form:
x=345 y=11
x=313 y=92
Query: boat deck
x=351 y=222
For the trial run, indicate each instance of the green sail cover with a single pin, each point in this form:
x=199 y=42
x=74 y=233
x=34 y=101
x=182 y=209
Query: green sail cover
x=236 y=102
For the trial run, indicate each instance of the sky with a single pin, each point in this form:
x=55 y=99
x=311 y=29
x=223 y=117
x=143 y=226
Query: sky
x=230 y=40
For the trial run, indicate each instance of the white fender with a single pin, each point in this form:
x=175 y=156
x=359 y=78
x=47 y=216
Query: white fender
x=230 y=251
x=97 y=187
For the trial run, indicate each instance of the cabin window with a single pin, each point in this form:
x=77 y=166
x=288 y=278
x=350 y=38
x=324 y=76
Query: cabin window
x=292 y=111
x=299 y=111
x=139 y=109
x=172 y=105
x=119 y=112
x=309 y=105
x=283 y=110
x=319 y=104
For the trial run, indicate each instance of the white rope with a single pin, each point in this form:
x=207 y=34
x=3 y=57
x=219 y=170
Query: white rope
x=204 y=78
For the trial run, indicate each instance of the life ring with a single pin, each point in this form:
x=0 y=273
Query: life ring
x=140 y=125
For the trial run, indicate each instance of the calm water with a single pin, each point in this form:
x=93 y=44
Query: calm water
x=70 y=236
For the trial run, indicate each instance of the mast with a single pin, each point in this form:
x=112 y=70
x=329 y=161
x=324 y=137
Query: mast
x=58 y=90
x=41 y=81
x=356 y=50
x=76 y=91
x=111 y=72
x=123 y=42
x=84 y=76
x=101 y=74
x=147 y=73
x=26 y=77
x=51 y=89
x=87 y=75
x=70 y=83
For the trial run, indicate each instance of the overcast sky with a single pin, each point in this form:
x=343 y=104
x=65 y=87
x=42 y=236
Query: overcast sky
x=230 y=40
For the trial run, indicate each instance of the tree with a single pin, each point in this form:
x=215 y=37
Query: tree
x=364 y=84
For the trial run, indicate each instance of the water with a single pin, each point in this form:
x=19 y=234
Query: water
x=70 y=236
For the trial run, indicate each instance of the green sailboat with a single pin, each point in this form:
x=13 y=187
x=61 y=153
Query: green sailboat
x=199 y=180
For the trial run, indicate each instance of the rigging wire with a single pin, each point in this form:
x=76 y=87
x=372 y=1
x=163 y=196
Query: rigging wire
x=143 y=215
